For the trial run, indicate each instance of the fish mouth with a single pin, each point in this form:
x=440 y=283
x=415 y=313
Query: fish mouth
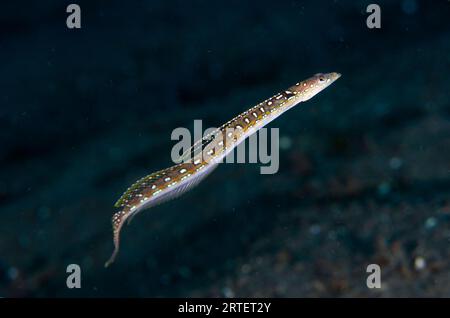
x=333 y=77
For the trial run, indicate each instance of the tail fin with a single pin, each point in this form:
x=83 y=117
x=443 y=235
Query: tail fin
x=154 y=189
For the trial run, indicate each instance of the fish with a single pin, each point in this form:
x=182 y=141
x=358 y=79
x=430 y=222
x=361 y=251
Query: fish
x=205 y=155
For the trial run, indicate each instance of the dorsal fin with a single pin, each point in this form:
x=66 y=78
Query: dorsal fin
x=199 y=145
x=136 y=186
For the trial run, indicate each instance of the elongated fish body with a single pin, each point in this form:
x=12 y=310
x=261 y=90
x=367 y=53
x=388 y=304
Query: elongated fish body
x=205 y=154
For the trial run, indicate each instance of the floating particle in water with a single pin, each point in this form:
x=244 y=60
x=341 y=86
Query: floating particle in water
x=430 y=223
x=185 y=272
x=395 y=163
x=409 y=6
x=43 y=213
x=228 y=292
x=384 y=188
x=245 y=269
x=12 y=273
x=419 y=263
x=285 y=143
x=24 y=241
x=315 y=229
x=165 y=279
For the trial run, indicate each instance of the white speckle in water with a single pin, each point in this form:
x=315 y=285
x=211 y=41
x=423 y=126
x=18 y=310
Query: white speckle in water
x=315 y=229
x=245 y=269
x=430 y=223
x=12 y=273
x=285 y=143
x=420 y=263
x=384 y=188
x=228 y=292
x=409 y=6
x=395 y=163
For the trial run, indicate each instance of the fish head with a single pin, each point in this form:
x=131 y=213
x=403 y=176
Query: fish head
x=315 y=84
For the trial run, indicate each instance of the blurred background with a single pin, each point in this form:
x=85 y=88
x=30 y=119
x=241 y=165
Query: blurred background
x=364 y=166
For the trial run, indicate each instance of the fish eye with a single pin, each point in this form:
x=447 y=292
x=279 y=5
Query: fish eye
x=321 y=79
